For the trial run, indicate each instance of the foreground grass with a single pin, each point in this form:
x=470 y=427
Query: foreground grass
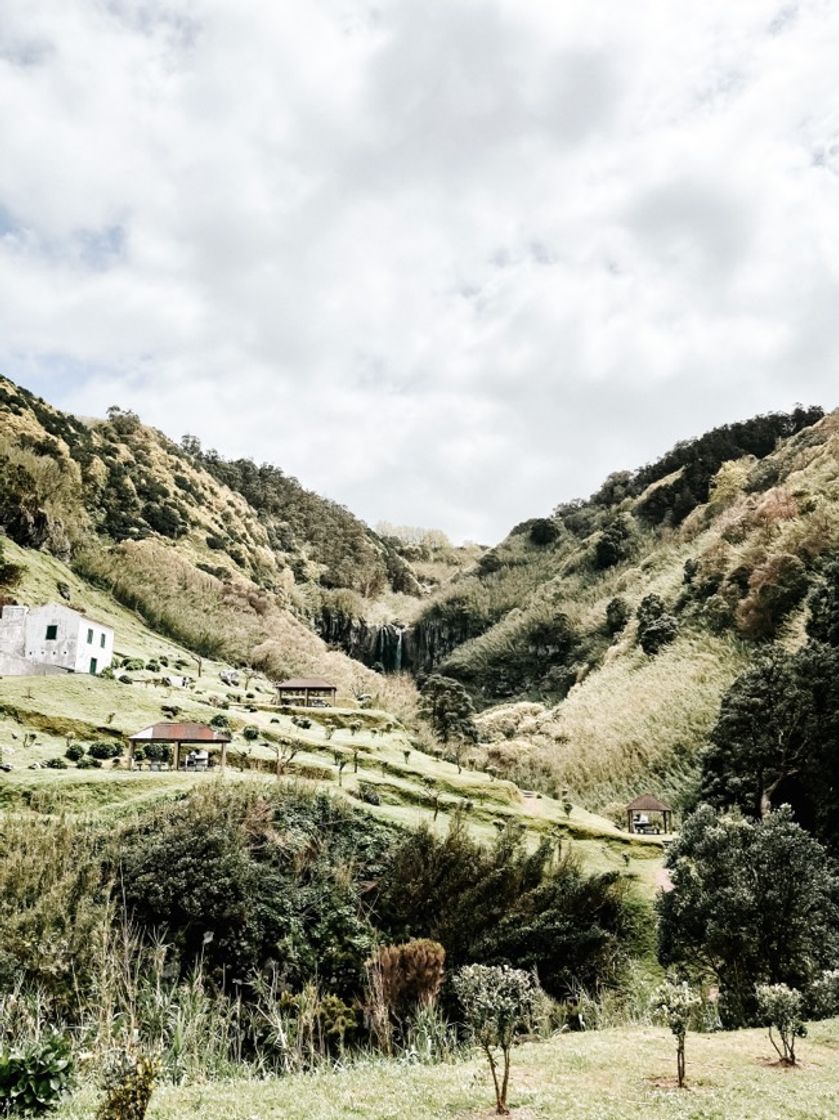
x=605 y=1075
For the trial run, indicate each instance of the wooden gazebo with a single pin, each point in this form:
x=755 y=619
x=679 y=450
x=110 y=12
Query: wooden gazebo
x=177 y=735
x=307 y=692
x=643 y=805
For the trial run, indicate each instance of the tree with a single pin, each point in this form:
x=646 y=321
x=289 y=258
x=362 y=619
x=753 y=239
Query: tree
x=781 y=1007
x=448 y=707
x=776 y=741
x=674 y=1003
x=285 y=750
x=823 y=624
x=752 y=902
x=544 y=530
x=496 y=1001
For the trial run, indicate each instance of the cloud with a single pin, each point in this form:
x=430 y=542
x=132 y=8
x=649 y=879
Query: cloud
x=449 y=264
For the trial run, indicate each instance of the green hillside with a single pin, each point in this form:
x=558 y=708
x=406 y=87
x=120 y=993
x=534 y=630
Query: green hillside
x=580 y=692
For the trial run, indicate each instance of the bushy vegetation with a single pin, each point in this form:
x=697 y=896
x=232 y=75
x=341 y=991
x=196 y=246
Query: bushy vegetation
x=264 y=925
x=752 y=903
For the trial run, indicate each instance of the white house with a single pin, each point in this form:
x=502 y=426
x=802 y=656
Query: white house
x=35 y=641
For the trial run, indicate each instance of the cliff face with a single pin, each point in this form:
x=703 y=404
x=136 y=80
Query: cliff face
x=392 y=647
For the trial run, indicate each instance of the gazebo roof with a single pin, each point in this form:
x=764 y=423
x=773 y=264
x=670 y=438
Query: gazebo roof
x=646 y=803
x=307 y=682
x=180 y=733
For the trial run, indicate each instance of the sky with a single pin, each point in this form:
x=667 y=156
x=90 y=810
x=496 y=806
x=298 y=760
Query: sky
x=448 y=262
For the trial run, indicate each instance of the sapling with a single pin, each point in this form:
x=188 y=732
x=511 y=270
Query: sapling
x=497 y=1001
x=674 y=1003
x=781 y=1007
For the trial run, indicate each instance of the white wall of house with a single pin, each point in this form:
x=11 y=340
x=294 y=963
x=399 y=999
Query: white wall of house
x=56 y=637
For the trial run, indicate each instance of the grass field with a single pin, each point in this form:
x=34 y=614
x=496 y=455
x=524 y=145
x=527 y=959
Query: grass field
x=604 y=1075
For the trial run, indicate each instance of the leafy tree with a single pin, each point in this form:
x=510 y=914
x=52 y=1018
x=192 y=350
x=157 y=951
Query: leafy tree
x=823 y=624
x=776 y=740
x=674 y=1003
x=448 y=707
x=501 y=902
x=752 y=902
x=781 y=1007
x=497 y=1002
x=543 y=530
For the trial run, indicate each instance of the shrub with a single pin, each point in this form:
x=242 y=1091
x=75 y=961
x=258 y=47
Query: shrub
x=34 y=1077
x=153 y=666
x=410 y=974
x=674 y=1003
x=74 y=752
x=824 y=995
x=56 y=764
x=129 y=1084
x=614 y=544
x=656 y=627
x=781 y=1007
x=497 y=1001
x=774 y=589
x=250 y=733
x=220 y=722
x=617 y=615
x=368 y=793
x=103 y=749
x=89 y=763
x=400 y=980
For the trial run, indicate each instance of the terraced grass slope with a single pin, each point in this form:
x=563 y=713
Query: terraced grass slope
x=367 y=754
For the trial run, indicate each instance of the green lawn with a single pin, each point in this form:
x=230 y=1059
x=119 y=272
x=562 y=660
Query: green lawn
x=607 y=1075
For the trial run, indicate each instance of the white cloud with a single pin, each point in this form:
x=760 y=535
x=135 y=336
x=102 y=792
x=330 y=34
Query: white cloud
x=448 y=263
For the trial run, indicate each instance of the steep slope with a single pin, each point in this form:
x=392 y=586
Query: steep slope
x=136 y=514
x=605 y=696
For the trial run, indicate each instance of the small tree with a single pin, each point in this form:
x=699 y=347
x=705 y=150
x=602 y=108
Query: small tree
x=781 y=1007
x=496 y=1001
x=251 y=733
x=285 y=751
x=674 y=1003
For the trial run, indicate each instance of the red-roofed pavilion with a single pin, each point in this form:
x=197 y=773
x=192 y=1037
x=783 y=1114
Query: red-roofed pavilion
x=178 y=734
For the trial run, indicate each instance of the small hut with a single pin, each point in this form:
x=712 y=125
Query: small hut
x=176 y=735
x=638 y=814
x=307 y=692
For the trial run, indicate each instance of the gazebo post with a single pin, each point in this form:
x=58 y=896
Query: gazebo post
x=224 y=754
x=176 y=751
x=130 y=754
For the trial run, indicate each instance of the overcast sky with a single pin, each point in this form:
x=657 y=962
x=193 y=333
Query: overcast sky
x=449 y=262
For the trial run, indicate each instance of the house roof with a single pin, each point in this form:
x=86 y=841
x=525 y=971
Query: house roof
x=180 y=733
x=646 y=803
x=306 y=682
